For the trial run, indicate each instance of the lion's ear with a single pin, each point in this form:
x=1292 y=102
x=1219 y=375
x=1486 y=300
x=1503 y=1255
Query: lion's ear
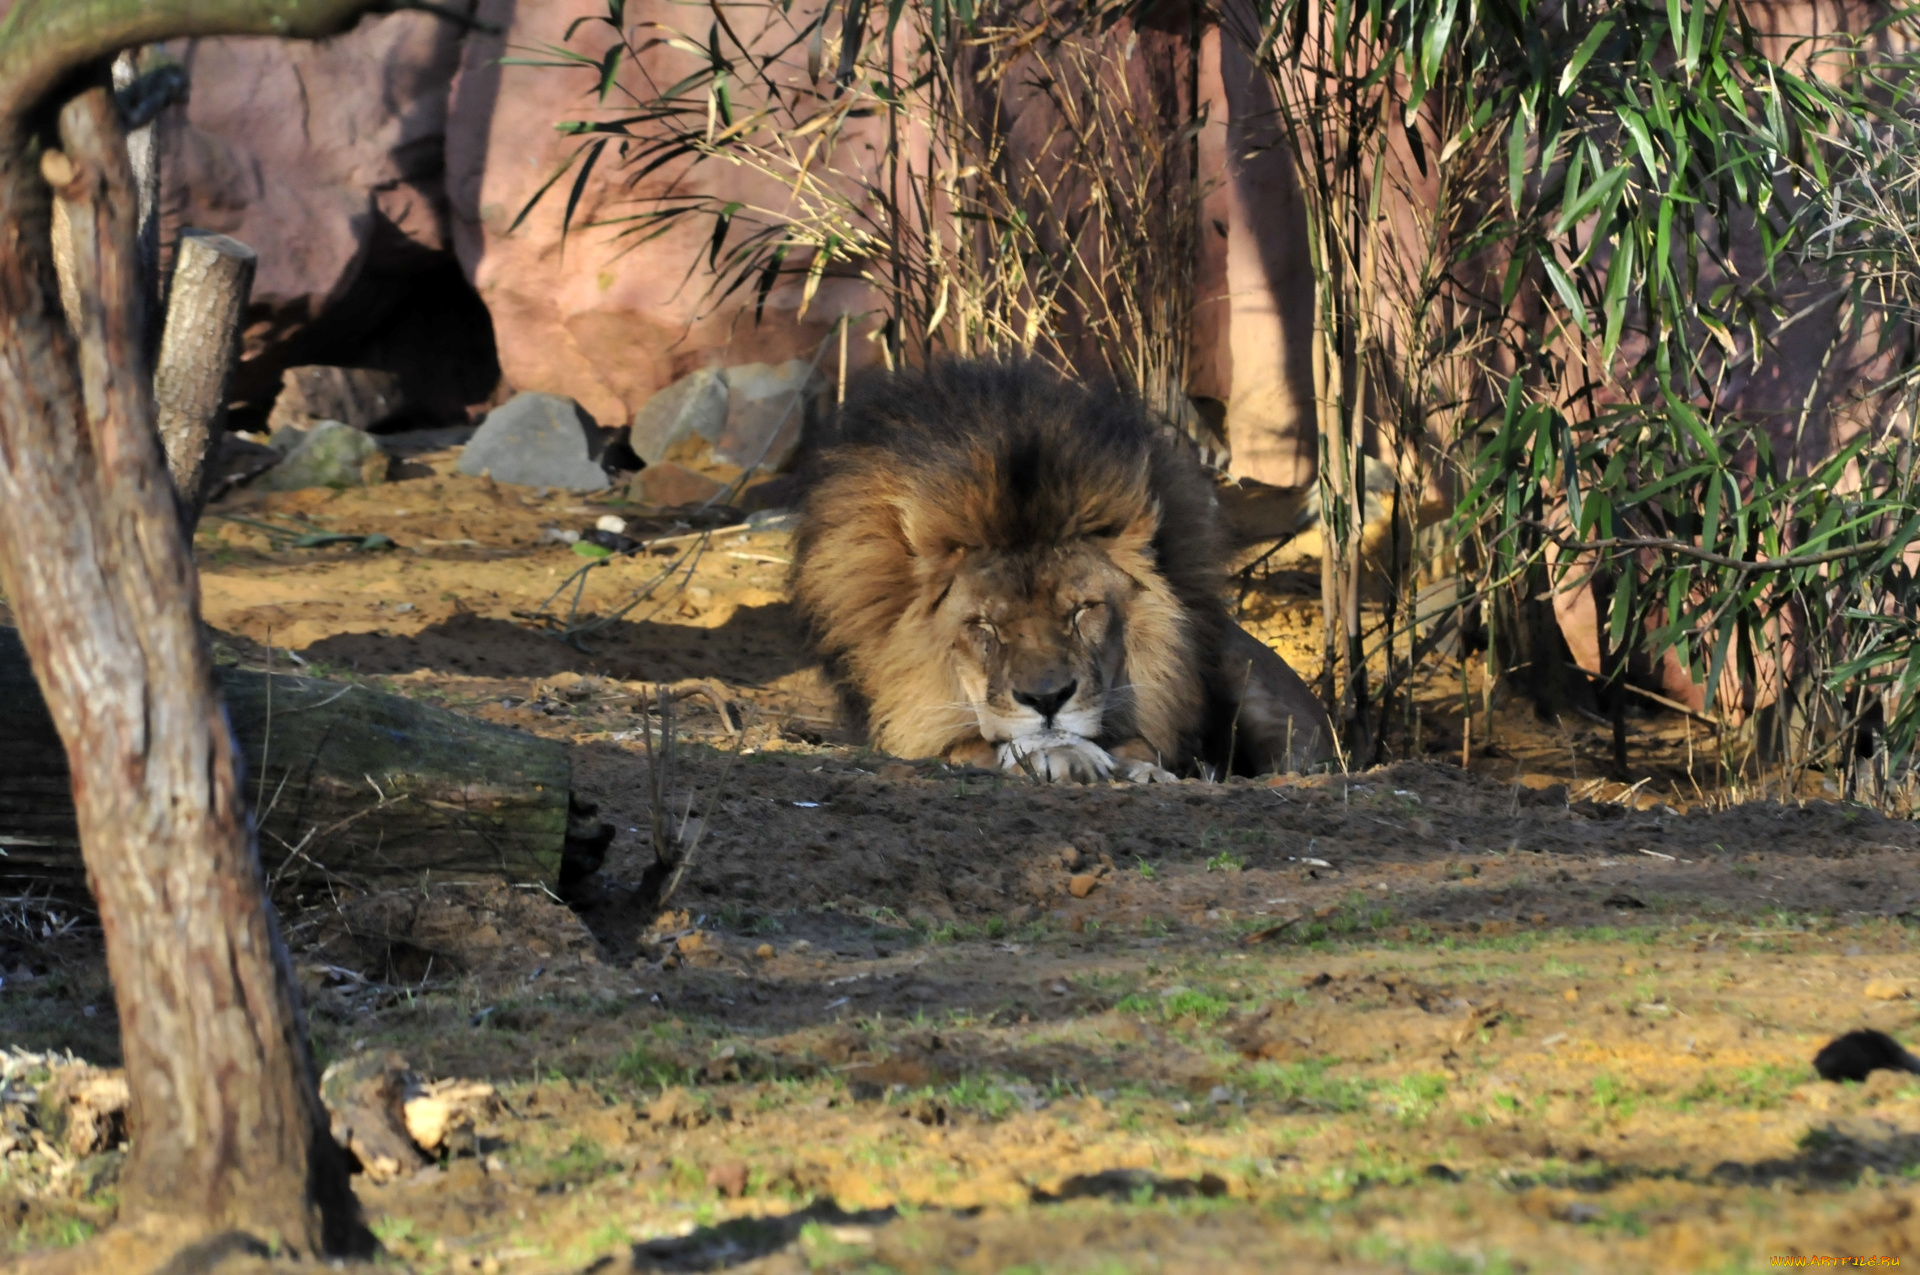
x=1133 y=540
x=924 y=533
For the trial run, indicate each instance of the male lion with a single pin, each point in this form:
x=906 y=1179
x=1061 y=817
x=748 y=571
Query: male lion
x=1005 y=568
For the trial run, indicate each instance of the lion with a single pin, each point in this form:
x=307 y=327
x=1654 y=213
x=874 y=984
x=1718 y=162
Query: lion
x=1008 y=569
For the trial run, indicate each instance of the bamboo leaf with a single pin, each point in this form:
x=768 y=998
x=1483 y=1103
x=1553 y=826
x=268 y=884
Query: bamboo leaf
x=579 y=186
x=722 y=223
x=1607 y=184
x=609 y=68
x=558 y=172
x=1516 y=159
x=1568 y=293
x=1619 y=277
x=1570 y=74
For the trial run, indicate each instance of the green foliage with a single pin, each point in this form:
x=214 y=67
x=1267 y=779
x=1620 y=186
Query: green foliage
x=1226 y=861
x=1669 y=184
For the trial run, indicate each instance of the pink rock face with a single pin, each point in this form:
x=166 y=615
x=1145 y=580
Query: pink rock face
x=325 y=158
x=577 y=317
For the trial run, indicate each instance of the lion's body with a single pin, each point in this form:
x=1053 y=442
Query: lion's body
x=996 y=562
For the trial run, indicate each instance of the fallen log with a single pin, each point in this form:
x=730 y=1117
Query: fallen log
x=355 y=785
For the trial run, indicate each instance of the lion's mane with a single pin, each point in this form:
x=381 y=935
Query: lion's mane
x=1003 y=457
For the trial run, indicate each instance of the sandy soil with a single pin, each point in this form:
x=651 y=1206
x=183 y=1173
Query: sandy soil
x=905 y=1018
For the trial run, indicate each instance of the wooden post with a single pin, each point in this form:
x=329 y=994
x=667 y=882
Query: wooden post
x=143 y=156
x=206 y=309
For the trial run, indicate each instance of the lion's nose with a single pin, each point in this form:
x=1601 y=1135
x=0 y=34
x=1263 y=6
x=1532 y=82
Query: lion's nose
x=1047 y=703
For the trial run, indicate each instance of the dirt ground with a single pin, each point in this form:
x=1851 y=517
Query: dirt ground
x=905 y=1018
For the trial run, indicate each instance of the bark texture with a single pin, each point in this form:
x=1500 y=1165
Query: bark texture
x=227 y=1128
x=206 y=308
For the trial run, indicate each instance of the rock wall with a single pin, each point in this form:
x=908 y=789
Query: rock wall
x=329 y=160
x=361 y=169
x=579 y=316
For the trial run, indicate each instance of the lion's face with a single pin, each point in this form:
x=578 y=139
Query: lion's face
x=1039 y=639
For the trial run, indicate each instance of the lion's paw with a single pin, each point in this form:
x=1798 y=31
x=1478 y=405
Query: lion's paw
x=1143 y=772
x=1057 y=757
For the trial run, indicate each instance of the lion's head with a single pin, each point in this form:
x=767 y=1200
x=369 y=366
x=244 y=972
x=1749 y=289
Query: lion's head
x=1039 y=640
x=990 y=553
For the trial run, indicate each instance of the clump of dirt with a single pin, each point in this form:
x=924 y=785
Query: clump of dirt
x=480 y=933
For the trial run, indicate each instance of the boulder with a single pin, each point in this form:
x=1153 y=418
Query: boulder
x=328 y=455
x=362 y=397
x=769 y=406
x=537 y=440
x=693 y=407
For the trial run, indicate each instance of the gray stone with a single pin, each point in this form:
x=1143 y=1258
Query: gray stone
x=287 y=437
x=769 y=407
x=774 y=520
x=330 y=455
x=362 y=397
x=695 y=406
x=537 y=440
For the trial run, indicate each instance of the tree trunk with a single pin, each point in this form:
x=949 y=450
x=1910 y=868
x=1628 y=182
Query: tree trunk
x=355 y=784
x=206 y=308
x=227 y=1129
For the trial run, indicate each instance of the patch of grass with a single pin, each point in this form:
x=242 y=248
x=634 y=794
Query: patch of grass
x=1146 y=870
x=686 y=1176
x=958 y=932
x=1226 y=862
x=648 y=1068
x=1306 y=1085
x=822 y=1250
x=1413 y=1098
x=393 y=1232
x=1355 y=915
x=581 y=1162
x=1612 y=1099
x=64 y=1232
x=610 y=1236
x=1760 y=1088
x=985 y=1096
x=1194 y=1004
